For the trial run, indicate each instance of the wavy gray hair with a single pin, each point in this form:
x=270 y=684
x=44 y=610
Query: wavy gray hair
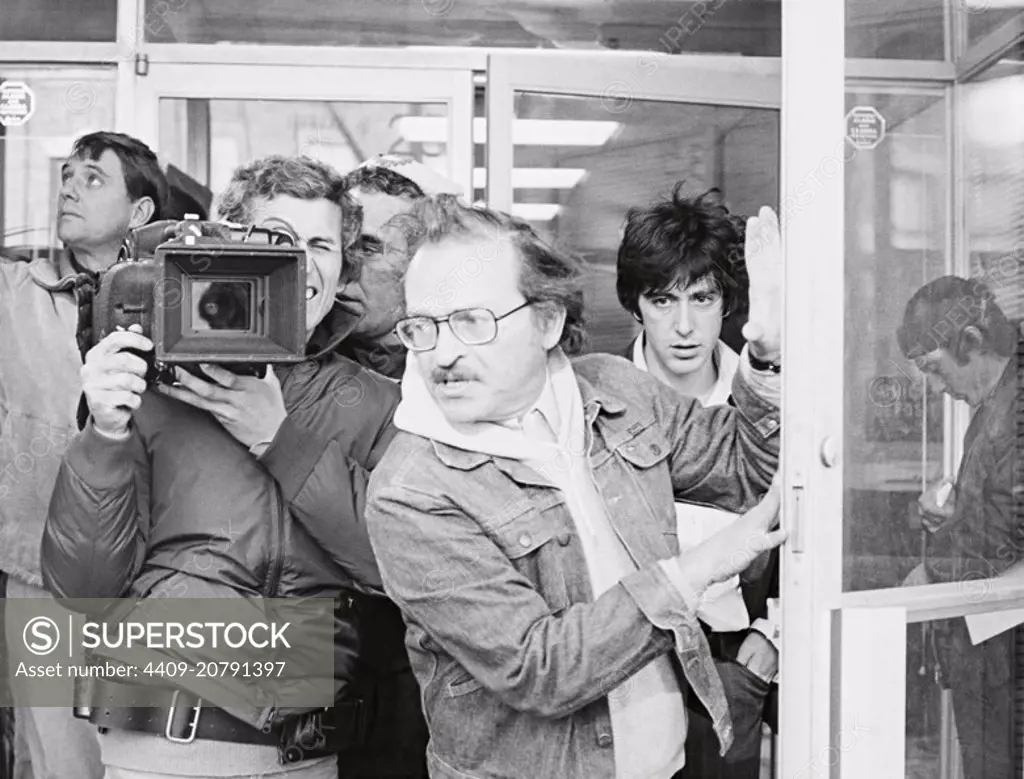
x=299 y=177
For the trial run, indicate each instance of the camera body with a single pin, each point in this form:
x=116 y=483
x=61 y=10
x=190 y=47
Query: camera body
x=206 y=292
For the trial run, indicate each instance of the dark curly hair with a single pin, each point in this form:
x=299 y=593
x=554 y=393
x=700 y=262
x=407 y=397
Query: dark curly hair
x=938 y=314
x=681 y=240
x=377 y=178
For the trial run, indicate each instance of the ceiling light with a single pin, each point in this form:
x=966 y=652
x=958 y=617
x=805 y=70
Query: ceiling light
x=536 y=212
x=525 y=132
x=535 y=178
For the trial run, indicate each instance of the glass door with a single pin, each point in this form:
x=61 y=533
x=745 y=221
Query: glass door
x=208 y=119
x=576 y=140
x=896 y=176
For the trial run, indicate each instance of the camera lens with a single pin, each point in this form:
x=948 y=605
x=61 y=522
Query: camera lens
x=222 y=305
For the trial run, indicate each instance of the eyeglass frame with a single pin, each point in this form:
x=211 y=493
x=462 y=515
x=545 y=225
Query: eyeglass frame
x=439 y=319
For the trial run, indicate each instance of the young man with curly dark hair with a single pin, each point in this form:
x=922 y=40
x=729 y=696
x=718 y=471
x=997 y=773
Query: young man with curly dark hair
x=681 y=274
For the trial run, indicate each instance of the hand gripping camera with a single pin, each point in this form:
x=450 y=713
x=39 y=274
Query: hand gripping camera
x=206 y=292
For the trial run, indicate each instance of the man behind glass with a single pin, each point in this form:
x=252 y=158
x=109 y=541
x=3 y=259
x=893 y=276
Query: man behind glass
x=961 y=340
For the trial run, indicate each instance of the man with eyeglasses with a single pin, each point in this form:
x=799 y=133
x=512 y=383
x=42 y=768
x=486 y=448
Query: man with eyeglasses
x=681 y=273
x=524 y=522
x=110 y=183
x=963 y=343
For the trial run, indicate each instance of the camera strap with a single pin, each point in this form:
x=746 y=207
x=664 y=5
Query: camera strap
x=86 y=284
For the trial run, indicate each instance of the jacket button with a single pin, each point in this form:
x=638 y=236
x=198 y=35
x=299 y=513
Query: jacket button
x=525 y=540
x=604 y=740
x=565 y=538
x=655 y=450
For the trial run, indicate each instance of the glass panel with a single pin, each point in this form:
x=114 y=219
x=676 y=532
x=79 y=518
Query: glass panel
x=984 y=16
x=579 y=167
x=208 y=139
x=993 y=131
x=49 y=20
x=964 y=701
x=752 y=28
x=896 y=223
x=895 y=29
x=68 y=102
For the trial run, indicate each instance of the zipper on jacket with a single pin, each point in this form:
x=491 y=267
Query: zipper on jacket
x=276 y=556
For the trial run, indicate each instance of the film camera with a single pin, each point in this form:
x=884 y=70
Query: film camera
x=205 y=292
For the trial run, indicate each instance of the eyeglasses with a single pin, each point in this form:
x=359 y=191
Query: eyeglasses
x=472 y=326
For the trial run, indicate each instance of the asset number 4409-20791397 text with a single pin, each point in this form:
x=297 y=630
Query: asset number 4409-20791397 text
x=213 y=669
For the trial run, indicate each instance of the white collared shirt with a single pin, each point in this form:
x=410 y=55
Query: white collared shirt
x=722 y=607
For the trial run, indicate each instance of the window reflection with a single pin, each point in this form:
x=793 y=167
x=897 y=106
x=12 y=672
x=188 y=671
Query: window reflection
x=985 y=16
x=69 y=102
x=895 y=29
x=963 y=699
x=896 y=198
x=576 y=190
x=751 y=28
x=994 y=163
x=49 y=20
x=208 y=139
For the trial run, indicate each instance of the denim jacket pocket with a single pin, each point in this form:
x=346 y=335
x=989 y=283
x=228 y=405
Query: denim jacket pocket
x=646 y=457
x=646 y=449
x=528 y=540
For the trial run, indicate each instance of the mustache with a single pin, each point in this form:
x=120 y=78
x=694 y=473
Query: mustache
x=441 y=375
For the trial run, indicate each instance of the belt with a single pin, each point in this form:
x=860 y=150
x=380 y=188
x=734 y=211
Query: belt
x=177 y=715
x=180 y=717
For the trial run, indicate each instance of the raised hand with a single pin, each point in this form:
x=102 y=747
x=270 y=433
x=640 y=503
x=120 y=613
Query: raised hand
x=763 y=255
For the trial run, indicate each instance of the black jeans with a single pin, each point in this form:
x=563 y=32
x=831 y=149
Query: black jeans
x=395 y=746
x=982 y=679
x=751 y=702
x=396 y=743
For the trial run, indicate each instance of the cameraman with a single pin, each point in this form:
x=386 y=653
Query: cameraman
x=110 y=183
x=205 y=465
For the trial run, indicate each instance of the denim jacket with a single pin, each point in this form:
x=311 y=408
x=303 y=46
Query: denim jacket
x=514 y=656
